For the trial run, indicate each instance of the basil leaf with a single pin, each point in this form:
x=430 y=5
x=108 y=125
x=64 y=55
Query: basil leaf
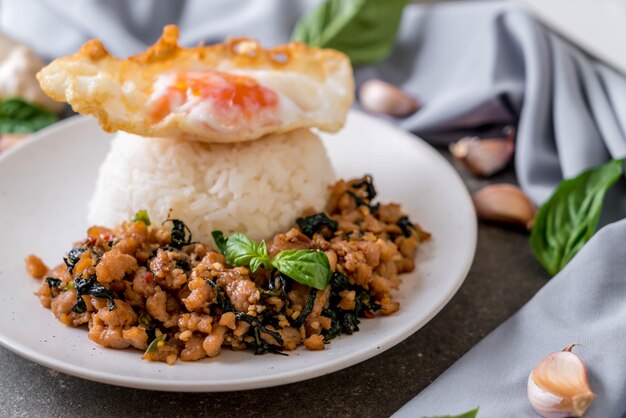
x=239 y=250
x=468 y=414
x=263 y=258
x=52 y=282
x=242 y=251
x=220 y=240
x=90 y=286
x=570 y=217
x=152 y=347
x=315 y=223
x=142 y=216
x=308 y=308
x=20 y=117
x=70 y=285
x=308 y=267
x=180 y=235
x=255 y=263
x=304 y=266
x=365 y=30
x=145 y=321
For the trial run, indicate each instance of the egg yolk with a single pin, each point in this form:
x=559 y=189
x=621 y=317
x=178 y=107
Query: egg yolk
x=229 y=95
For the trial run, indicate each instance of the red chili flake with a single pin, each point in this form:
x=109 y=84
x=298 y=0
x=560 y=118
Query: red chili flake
x=149 y=276
x=369 y=314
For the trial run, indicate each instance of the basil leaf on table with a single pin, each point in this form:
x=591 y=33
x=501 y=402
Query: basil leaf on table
x=468 y=414
x=365 y=30
x=20 y=117
x=570 y=217
x=308 y=267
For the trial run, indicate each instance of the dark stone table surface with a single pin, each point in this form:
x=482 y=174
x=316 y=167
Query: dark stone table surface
x=504 y=276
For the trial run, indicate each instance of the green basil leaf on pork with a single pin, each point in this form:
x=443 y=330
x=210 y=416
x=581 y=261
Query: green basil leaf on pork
x=307 y=267
x=242 y=251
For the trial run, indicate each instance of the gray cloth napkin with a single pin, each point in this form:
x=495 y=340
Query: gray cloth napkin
x=476 y=66
x=585 y=303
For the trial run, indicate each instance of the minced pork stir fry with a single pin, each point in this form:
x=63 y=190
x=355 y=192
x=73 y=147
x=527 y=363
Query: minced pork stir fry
x=155 y=289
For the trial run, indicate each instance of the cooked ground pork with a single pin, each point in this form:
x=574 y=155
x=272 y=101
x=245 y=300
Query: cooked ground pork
x=154 y=289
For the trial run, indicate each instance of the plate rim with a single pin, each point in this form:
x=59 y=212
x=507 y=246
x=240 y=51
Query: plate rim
x=286 y=377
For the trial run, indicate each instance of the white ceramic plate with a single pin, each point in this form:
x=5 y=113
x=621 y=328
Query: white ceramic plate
x=46 y=183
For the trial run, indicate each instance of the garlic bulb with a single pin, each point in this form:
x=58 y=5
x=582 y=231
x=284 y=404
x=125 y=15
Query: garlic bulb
x=380 y=97
x=558 y=386
x=484 y=157
x=504 y=203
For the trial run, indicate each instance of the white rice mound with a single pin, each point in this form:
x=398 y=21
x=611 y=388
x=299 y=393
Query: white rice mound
x=258 y=187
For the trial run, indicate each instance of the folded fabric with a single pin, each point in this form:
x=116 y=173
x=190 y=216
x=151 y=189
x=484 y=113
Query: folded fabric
x=584 y=304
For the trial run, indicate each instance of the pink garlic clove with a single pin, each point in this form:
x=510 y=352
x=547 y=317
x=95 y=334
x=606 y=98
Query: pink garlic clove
x=484 y=157
x=558 y=386
x=504 y=203
x=380 y=97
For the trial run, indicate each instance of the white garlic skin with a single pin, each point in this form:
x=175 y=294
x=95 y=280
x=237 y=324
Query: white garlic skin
x=543 y=402
x=558 y=386
x=380 y=97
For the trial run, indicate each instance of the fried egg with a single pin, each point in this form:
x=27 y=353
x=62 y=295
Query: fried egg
x=231 y=92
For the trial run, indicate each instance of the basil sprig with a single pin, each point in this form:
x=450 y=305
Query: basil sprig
x=20 y=117
x=365 y=30
x=570 y=217
x=307 y=267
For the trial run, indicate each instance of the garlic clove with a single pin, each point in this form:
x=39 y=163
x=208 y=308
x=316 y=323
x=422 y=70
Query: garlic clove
x=380 y=97
x=483 y=157
x=504 y=203
x=558 y=386
x=17 y=78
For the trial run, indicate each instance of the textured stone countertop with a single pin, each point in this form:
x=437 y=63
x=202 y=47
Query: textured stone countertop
x=503 y=278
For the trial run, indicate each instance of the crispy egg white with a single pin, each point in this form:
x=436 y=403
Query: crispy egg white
x=231 y=92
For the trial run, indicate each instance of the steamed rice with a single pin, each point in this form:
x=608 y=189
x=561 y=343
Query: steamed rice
x=258 y=188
